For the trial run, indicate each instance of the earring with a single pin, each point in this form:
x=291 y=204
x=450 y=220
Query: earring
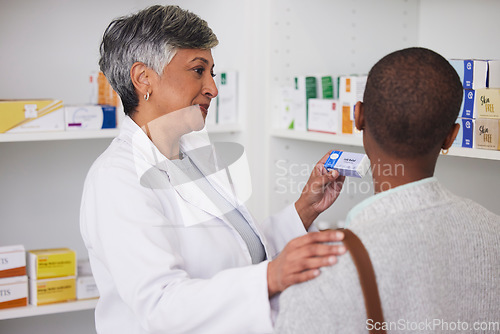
x=146 y=97
x=444 y=152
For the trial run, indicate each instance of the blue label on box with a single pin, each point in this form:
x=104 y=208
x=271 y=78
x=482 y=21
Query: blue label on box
x=468 y=104
x=332 y=160
x=468 y=73
x=468 y=133
x=109 y=117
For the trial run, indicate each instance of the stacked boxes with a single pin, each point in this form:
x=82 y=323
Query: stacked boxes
x=51 y=275
x=13 y=279
x=86 y=287
x=480 y=109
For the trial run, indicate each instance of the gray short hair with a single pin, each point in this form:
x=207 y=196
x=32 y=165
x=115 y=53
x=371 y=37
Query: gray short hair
x=151 y=36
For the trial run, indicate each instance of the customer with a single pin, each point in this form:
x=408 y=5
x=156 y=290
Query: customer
x=436 y=256
x=172 y=247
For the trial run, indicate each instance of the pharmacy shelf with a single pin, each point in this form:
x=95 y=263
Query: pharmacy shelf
x=351 y=140
x=31 y=311
x=105 y=133
x=61 y=135
x=355 y=140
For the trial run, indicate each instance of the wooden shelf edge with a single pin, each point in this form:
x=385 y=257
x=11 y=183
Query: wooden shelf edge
x=31 y=310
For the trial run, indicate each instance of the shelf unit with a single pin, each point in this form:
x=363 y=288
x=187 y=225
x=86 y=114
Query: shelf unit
x=357 y=140
x=31 y=310
x=104 y=133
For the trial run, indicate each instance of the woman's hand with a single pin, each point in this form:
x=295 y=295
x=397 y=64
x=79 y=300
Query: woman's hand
x=301 y=259
x=320 y=191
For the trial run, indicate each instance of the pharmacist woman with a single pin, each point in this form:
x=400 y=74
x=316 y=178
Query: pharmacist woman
x=172 y=247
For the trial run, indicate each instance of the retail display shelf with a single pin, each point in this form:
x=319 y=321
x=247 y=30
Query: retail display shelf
x=31 y=311
x=354 y=140
x=61 y=135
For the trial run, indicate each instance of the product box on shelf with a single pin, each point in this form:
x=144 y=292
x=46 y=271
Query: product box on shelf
x=83 y=267
x=52 y=290
x=287 y=106
x=12 y=261
x=494 y=73
x=50 y=263
x=468 y=108
x=465 y=136
x=472 y=72
x=488 y=103
x=20 y=116
x=347 y=122
x=486 y=134
x=101 y=91
x=323 y=115
x=90 y=117
x=326 y=87
x=227 y=100
x=86 y=288
x=351 y=90
x=306 y=89
x=13 y=291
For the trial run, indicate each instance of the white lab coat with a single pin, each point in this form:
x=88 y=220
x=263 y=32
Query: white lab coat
x=163 y=259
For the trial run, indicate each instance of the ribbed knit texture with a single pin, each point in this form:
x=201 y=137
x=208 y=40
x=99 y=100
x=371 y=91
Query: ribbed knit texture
x=436 y=258
x=190 y=173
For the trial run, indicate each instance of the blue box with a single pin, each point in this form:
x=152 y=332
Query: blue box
x=465 y=136
x=468 y=108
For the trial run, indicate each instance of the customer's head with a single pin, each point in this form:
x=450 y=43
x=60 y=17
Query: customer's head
x=411 y=102
x=152 y=37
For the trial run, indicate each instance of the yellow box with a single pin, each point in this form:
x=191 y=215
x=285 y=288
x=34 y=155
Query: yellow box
x=488 y=103
x=12 y=261
x=13 y=292
x=52 y=290
x=487 y=134
x=31 y=116
x=50 y=263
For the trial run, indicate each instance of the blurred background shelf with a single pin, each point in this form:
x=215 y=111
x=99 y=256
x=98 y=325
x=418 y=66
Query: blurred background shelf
x=355 y=140
x=31 y=310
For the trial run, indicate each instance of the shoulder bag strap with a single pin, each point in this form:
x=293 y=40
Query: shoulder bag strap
x=367 y=279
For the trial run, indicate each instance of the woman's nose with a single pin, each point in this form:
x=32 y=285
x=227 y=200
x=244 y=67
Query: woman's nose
x=210 y=89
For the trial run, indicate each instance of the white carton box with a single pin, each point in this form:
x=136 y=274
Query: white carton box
x=12 y=261
x=493 y=73
x=227 y=100
x=351 y=90
x=324 y=115
x=472 y=72
x=306 y=89
x=86 y=288
x=13 y=291
x=90 y=117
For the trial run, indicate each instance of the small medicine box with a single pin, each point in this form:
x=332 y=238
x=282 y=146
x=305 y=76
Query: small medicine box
x=50 y=263
x=348 y=164
x=324 y=116
x=86 y=288
x=18 y=116
x=52 y=290
x=13 y=291
x=486 y=134
x=472 y=73
x=488 y=103
x=12 y=261
x=465 y=136
x=90 y=117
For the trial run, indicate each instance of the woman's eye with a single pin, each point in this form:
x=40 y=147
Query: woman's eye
x=213 y=75
x=199 y=70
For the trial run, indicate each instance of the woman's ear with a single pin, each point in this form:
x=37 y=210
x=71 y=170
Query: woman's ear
x=139 y=74
x=359 y=116
x=448 y=141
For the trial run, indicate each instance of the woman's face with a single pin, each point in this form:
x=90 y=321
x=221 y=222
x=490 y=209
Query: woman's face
x=186 y=81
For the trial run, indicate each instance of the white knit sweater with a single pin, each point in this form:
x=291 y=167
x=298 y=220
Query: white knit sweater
x=436 y=257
